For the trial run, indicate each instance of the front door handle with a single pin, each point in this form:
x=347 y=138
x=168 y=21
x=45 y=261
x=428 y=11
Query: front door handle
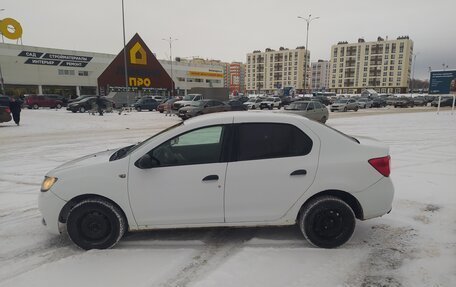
x=299 y=172
x=211 y=177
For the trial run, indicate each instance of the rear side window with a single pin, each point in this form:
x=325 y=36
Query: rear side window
x=271 y=140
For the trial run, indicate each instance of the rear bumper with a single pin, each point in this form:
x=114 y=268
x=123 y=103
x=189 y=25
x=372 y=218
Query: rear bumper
x=377 y=199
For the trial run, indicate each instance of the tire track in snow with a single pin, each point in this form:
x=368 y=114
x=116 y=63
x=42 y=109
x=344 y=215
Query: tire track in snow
x=390 y=246
x=220 y=245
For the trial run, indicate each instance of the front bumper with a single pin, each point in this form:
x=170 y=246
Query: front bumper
x=50 y=206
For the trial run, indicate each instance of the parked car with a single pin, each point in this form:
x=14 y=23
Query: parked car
x=253 y=103
x=271 y=103
x=80 y=98
x=445 y=102
x=145 y=104
x=286 y=101
x=203 y=107
x=378 y=103
x=88 y=104
x=404 y=102
x=187 y=101
x=58 y=97
x=391 y=100
x=419 y=101
x=313 y=110
x=236 y=105
x=322 y=99
x=167 y=104
x=5 y=112
x=364 y=103
x=226 y=169
x=42 y=101
x=345 y=105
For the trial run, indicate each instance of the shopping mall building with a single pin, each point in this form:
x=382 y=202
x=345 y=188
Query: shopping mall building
x=37 y=70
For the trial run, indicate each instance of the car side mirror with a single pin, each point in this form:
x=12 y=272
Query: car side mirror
x=146 y=162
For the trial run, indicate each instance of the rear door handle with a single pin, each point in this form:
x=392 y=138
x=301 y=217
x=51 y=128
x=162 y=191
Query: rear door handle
x=299 y=172
x=211 y=177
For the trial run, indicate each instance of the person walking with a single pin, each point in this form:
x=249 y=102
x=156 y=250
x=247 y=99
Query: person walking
x=15 y=107
x=99 y=103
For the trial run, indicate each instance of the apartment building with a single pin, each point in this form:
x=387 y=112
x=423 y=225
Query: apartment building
x=320 y=75
x=383 y=65
x=235 y=77
x=270 y=71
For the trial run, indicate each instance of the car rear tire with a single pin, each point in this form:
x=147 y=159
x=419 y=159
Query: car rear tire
x=59 y=106
x=345 y=109
x=35 y=106
x=138 y=109
x=95 y=224
x=327 y=222
x=82 y=110
x=356 y=109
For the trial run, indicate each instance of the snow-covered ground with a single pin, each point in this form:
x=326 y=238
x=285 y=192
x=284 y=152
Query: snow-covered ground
x=415 y=245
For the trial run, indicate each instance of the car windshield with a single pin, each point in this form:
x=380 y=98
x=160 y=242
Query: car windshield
x=297 y=106
x=187 y=98
x=259 y=100
x=270 y=99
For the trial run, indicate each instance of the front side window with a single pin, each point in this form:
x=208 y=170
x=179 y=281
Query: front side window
x=195 y=147
x=270 y=140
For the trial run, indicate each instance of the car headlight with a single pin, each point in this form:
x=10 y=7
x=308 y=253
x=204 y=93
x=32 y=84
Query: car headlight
x=48 y=182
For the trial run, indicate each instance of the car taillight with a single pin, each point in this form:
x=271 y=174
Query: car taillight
x=382 y=165
x=8 y=110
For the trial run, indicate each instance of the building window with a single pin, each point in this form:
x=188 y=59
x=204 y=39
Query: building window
x=66 y=72
x=83 y=73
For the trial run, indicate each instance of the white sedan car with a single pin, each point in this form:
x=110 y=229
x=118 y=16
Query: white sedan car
x=226 y=169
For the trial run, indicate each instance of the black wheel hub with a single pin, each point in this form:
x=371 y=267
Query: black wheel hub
x=95 y=226
x=328 y=223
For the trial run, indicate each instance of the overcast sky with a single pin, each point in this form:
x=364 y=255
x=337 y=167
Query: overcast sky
x=228 y=30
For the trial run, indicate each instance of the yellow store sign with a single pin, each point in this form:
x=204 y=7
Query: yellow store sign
x=205 y=74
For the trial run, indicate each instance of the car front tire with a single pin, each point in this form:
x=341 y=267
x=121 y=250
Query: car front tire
x=82 y=110
x=327 y=222
x=95 y=224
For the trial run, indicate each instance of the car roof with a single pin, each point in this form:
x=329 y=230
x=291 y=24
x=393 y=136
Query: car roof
x=239 y=116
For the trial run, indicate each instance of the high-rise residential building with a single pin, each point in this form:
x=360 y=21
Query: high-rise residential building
x=235 y=77
x=320 y=75
x=270 y=71
x=384 y=65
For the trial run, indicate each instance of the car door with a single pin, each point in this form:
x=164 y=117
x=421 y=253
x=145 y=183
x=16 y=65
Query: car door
x=274 y=165
x=311 y=111
x=186 y=184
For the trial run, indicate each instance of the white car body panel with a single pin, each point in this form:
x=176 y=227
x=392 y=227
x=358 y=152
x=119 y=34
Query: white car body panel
x=156 y=199
x=335 y=163
x=248 y=185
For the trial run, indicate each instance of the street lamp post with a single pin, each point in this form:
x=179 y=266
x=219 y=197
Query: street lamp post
x=170 y=41
x=124 y=48
x=308 y=20
x=412 y=82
